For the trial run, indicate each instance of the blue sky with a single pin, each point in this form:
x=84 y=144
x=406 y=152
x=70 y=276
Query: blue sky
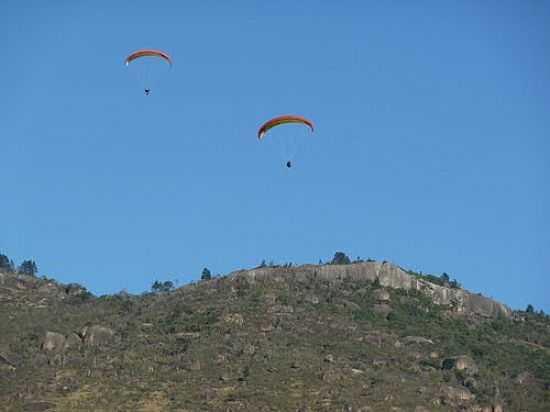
x=431 y=145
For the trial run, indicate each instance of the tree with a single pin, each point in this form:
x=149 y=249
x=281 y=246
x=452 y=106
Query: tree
x=166 y=286
x=530 y=309
x=6 y=265
x=340 y=258
x=28 y=267
x=206 y=275
x=157 y=286
x=445 y=278
x=454 y=284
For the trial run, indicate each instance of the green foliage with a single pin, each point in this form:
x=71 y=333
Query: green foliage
x=225 y=342
x=454 y=284
x=28 y=267
x=82 y=297
x=162 y=287
x=206 y=275
x=340 y=258
x=6 y=264
x=443 y=280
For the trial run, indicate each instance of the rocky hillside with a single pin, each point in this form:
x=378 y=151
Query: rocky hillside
x=388 y=275
x=361 y=337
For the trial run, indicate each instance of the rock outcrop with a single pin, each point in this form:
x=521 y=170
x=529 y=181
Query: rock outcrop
x=53 y=342
x=388 y=275
x=463 y=363
x=382 y=296
x=451 y=395
x=97 y=335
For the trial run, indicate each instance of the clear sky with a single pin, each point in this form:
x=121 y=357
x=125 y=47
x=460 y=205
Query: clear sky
x=431 y=148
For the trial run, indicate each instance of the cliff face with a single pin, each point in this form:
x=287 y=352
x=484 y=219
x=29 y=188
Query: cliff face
x=388 y=275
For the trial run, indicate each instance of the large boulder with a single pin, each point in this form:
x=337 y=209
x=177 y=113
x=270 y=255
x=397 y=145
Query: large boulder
x=452 y=395
x=97 y=335
x=462 y=363
x=53 y=341
x=382 y=295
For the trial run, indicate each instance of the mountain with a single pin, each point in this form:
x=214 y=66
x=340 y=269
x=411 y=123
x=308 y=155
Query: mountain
x=366 y=336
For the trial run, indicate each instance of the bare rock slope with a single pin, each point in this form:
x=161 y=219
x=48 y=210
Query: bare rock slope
x=388 y=275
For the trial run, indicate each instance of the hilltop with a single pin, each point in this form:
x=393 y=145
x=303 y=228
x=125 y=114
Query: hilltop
x=366 y=336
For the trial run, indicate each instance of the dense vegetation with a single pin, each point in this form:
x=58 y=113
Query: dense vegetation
x=27 y=267
x=290 y=341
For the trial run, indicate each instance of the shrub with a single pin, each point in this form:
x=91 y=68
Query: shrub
x=28 y=267
x=340 y=258
x=6 y=264
x=166 y=286
x=206 y=275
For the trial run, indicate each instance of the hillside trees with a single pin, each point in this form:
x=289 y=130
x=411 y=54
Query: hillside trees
x=6 y=264
x=206 y=275
x=340 y=258
x=159 y=287
x=28 y=267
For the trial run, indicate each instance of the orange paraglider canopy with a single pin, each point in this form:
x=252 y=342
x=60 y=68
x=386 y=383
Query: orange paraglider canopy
x=148 y=53
x=276 y=121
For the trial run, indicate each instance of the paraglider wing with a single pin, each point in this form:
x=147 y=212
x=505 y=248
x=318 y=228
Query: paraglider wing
x=276 y=121
x=148 y=53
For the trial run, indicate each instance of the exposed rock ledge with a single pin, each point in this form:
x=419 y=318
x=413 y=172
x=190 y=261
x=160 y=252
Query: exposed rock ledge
x=388 y=275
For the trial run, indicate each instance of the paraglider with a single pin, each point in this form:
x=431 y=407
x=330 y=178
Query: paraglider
x=148 y=53
x=276 y=121
x=157 y=54
x=281 y=120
